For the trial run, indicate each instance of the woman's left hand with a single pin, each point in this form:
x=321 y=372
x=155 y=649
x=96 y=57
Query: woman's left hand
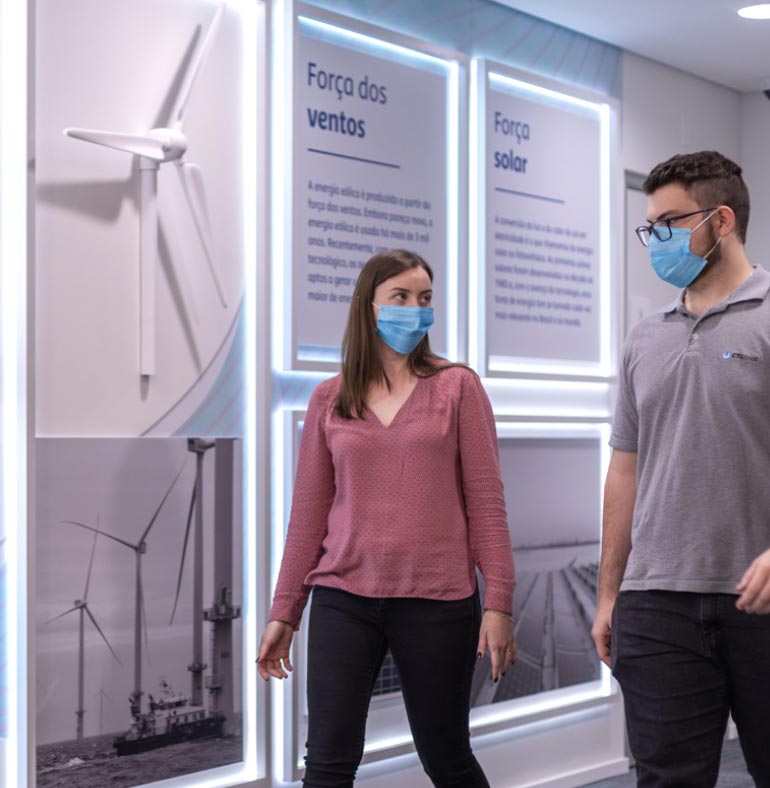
x=496 y=636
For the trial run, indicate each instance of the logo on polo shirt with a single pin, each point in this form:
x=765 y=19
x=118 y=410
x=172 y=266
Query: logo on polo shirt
x=728 y=354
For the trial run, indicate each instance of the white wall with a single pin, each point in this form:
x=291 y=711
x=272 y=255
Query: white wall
x=666 y=111
x=755 y=160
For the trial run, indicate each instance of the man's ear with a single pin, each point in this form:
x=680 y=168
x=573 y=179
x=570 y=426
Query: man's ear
x=725 y=220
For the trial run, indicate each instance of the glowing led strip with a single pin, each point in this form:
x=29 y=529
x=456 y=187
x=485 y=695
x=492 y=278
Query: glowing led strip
x=13 y=299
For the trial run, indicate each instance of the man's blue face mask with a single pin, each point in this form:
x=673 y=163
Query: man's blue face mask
x=672 y=259
x=403 y=327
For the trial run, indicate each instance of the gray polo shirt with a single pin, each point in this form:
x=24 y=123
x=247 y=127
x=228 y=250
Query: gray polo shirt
x=694 y=402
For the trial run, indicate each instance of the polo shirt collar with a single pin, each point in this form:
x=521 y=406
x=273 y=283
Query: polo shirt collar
x=755 y=288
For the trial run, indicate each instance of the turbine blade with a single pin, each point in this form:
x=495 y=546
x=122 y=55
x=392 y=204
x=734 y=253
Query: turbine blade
x=144 y=622
x=41 y=704
x=184 y=551
x=90 y=566
x=137 y=144
x=61 y=615
x=103 y=533
x=196 y=65
x=195 y=192
x=160 y=505
x=99 y=630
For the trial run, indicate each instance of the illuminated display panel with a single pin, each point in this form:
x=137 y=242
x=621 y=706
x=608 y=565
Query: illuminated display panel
x=556 y=546
x=540 y=233
x=353 y=177
x=13 y=542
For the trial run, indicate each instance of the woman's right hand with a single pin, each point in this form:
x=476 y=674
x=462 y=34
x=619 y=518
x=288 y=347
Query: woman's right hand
x=273 y=659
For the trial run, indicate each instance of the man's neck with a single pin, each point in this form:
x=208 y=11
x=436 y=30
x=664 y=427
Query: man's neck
x=718 y=283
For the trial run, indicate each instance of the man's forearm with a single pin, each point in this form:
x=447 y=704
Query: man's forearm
x=619 y=499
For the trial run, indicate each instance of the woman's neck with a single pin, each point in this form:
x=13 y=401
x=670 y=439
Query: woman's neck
x=395 y=365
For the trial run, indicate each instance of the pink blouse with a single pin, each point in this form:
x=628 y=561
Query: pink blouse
x=408 y=510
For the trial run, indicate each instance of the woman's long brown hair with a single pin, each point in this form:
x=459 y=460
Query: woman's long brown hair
x=361 y=362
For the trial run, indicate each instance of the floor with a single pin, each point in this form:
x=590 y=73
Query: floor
x=731 y=775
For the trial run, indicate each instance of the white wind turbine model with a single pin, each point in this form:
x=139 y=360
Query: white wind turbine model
x=153 y=148
x=81 y=605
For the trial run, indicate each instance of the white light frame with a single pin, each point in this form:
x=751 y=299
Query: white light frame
x=288 y=17
x=388 y=734
x=251 y=770
x=14 y=195
x=484 y=74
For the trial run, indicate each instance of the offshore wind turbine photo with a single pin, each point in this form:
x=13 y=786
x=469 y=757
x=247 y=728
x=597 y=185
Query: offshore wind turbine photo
x=81 y=607
x=139 y=548
x=154 y=505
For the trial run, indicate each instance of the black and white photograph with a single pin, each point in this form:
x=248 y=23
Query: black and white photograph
x=555 y=536
x=139 y=587
x=552 y=488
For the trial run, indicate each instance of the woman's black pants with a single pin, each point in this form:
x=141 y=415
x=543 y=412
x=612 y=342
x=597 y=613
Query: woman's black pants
x=433 y=644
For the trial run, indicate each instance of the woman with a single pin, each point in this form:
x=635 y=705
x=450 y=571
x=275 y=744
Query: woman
x=397 y=500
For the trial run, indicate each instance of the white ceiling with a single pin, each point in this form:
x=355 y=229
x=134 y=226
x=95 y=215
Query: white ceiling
x=704 y=37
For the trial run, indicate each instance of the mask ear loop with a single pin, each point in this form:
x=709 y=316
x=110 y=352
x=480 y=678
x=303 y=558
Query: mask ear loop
x=719 y=240
x=708 y=254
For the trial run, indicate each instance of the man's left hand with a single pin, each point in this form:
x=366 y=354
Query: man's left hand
x=755 y=586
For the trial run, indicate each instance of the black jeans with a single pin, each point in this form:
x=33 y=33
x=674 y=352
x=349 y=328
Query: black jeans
x=434 y=647
x=684 y=662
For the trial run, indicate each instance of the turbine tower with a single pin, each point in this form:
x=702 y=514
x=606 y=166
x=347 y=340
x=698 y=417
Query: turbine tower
x=81 y=605
x=153 y=148
x=223 y=612
x=199 y=447
x=102 y=695
x=140 y=619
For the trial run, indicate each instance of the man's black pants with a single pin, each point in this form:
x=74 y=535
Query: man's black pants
x=685 y=662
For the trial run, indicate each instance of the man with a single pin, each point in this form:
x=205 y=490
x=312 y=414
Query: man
x=684 y=584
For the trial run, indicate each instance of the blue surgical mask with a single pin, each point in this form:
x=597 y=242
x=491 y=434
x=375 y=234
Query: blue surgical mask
x=403 y=327
x=672 y=259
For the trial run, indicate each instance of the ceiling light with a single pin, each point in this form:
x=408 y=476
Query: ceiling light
x=761 y=11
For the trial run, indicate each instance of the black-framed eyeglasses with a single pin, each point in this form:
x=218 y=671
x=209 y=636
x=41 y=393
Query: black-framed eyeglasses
x=662 y=228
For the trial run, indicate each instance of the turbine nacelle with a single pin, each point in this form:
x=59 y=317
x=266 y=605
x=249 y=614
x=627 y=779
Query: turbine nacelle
x=173 y=141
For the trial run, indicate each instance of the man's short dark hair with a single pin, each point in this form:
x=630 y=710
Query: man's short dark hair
x=710 y=178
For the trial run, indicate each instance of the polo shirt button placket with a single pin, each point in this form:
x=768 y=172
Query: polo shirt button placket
x=693 y=345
